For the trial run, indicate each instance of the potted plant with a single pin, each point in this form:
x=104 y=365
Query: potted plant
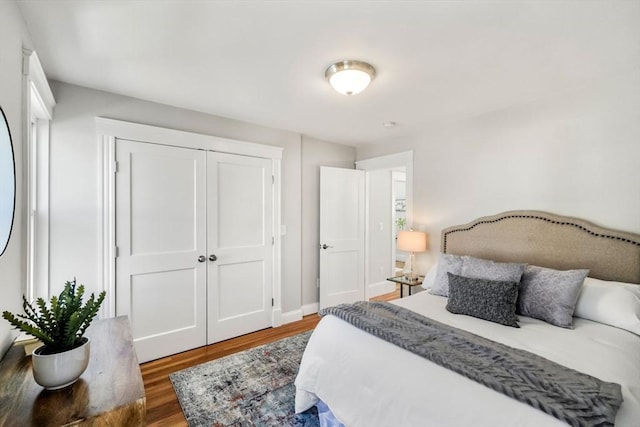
x=60 y=327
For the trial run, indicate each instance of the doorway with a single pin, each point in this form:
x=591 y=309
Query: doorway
x=388 y=208
x=399 y=214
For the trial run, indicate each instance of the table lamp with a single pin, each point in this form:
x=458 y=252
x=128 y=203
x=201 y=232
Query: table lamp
x=412 y=242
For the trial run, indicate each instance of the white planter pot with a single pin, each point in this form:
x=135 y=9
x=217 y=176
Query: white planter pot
x=54 y=371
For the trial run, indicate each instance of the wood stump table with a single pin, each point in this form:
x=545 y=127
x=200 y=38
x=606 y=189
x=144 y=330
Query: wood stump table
x=109 y=392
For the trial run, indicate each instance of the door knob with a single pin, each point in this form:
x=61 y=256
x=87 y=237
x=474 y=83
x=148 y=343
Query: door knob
x=325 y=246
x=202 y=258
x=212 y=257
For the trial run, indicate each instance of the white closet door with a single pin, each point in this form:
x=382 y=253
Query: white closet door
x=160 y=233
x=239 y=211
x=342 y=225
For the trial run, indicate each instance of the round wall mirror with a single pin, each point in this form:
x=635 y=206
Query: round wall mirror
x=7 y=183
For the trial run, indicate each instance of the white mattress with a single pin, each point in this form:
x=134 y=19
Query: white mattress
x=368 y=382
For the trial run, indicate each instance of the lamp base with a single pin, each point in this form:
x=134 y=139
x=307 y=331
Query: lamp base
x=410 y=270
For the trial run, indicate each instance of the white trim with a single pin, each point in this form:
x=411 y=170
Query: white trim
x=395 y=253
x=109 y=130
x=107 y=214
x=276 y=314
x=41 y=271
x=276 y=317
x=380 y=288
x=39 y=81
x=291 y=316
x=38 y=104
x=391 y=161
x=178 y=138
x=367 y=200
x=308 y=309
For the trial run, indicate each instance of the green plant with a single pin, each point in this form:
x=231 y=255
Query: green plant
x=62 y=325
x=401 y=222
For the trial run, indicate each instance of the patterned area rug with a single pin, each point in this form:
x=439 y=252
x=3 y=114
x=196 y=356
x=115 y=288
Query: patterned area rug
x=250 y=388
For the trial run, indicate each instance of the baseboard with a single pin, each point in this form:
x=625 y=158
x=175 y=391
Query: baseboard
x=380 y=288
x=291 y=316
x=276 y=317
x=310 y=308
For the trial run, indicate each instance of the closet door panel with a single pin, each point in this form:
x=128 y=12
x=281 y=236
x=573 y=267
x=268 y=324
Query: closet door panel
x=154 y=295
x=240 y=289
x=160 y=233
x=241 y=206
x=240 y=232
x=163 y=214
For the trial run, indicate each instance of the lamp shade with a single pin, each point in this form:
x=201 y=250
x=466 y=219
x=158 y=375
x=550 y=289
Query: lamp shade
x=412 y=241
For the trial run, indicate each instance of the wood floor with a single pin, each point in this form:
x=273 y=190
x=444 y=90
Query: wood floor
x=163 y=408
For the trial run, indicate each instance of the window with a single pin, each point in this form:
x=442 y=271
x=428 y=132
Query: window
x=40 y=103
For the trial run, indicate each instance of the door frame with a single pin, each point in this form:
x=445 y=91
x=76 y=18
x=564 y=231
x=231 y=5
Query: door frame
x=391 y=161
x=109 y=130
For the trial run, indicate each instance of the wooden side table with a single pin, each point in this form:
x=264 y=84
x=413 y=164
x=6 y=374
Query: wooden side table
x=406 y=282
x=109 y=392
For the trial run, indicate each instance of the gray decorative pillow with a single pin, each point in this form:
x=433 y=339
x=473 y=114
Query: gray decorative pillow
x=492 y=300
x=550 y=295
x=446 y=264
x=478 y=268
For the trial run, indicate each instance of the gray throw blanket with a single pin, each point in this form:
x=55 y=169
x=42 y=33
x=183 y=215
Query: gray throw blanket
x=570 y=396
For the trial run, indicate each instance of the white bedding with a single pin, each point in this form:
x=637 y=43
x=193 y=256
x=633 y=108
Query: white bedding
x=368 y=382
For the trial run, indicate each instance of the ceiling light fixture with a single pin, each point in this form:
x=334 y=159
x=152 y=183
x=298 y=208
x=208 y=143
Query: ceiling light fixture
x=350 y=77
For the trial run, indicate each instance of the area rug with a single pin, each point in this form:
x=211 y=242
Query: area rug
x=250 y=388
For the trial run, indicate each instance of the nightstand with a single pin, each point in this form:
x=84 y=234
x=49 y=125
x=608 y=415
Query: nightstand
x=406 y=282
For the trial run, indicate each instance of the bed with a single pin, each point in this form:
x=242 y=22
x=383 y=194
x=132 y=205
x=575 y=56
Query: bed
x=366 y=381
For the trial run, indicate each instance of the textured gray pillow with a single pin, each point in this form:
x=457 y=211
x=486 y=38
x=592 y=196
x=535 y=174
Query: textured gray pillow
x=550 y=295
x=446 y=264
x=478 y=268
x=492 y=300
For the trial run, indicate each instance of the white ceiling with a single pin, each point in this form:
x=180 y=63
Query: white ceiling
x=264 y=62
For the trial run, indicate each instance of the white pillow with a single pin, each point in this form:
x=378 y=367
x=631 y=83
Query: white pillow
x=447 y=263
x=612 y=303
x=430 y=277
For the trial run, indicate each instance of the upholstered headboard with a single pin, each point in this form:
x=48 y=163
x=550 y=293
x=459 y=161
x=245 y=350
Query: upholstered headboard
x=548 y=240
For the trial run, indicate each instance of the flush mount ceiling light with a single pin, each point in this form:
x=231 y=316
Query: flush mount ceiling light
x=350 y=77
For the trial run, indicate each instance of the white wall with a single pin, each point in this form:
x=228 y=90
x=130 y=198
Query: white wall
x=13 y=36
x=74 y=203
x=316 y=153
x=572 y=153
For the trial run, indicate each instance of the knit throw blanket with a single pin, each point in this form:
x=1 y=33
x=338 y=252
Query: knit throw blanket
x=571 y=396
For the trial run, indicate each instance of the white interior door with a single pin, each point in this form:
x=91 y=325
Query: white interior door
x=160 y=234
x=240 y=243
x=342 y=227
